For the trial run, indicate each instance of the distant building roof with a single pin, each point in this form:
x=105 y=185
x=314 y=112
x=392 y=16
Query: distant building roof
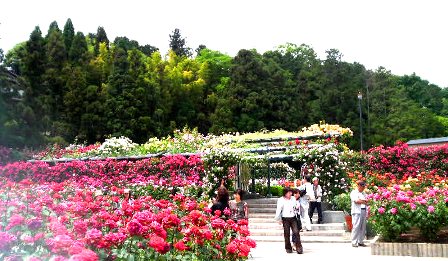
x=428 y=141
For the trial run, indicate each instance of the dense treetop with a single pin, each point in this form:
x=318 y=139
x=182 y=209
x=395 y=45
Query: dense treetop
x=66 y=85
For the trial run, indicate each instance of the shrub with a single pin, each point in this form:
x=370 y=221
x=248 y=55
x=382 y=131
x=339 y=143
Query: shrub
x=343 y=202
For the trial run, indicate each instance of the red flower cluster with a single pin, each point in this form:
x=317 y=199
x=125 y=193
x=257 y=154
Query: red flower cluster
x=79 y=211
x=403 y=161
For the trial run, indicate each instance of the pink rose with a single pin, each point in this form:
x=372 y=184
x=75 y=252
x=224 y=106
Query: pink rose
x=431 y=209
x=393 y=211
x=381 y=210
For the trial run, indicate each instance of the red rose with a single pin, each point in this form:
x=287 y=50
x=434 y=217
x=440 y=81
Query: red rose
x=181 y=246
x=159 y=244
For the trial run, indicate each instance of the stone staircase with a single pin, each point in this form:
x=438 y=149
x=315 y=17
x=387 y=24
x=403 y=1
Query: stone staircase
x=263 y=228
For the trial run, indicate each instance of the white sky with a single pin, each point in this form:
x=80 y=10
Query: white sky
x=405 y=36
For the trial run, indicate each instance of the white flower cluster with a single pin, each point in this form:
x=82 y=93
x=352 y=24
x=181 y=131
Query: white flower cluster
x=116 y=146
x=324 y=129
x=284 y=169
x=327 y=165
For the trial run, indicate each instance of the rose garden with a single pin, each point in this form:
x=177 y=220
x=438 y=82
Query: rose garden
x=124 y=201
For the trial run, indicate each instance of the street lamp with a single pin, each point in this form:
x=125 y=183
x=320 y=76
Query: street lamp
x=360 y=117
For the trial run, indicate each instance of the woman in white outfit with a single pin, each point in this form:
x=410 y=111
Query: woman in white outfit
x=305 y=202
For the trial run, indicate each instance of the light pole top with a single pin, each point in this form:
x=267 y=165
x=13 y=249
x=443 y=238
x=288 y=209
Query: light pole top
x=359 y=95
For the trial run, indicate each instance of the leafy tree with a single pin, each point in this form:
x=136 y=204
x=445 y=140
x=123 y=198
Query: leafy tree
x=199 y=49
x=421 y=91
x=215 y=68
x=243 y=106
x=148 y=50
x=15 y=58
x=125 y=43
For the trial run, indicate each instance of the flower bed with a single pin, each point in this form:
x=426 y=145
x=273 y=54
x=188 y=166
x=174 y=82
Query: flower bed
x=410 y=193
x=80 y=211
x=408 y=190
x=402 y=161
x=397 y=209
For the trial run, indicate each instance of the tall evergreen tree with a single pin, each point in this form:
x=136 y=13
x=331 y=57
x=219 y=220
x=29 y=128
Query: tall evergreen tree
x=54 y=27
x=78 y=50
x=69 y=34
x=177 y=44
x=100 y=37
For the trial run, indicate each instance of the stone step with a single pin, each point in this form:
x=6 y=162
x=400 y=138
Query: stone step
x=253 y=226
x=255 y=220
x=275 y=232
x=262 y=200
x=262 y=215
x=262 y=210
x=262 y=205
x=304 y=239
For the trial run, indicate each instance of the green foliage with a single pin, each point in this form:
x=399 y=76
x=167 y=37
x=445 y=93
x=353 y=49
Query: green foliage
x=82 y=86
x=177 y=44
x=276 y=190
x=343 y=202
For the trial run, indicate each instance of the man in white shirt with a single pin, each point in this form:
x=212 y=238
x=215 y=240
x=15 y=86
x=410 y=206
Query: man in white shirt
x=285 y=215
x=359 y=216
x=316 y=201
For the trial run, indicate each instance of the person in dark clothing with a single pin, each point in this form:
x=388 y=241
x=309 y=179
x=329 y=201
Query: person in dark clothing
x=222 y=201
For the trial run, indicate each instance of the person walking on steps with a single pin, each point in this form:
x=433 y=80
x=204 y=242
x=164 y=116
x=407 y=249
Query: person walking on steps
x=316 y=201
x=359 y=214
x=285 y=215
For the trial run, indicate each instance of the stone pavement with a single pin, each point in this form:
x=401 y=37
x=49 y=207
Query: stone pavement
x=325 y=251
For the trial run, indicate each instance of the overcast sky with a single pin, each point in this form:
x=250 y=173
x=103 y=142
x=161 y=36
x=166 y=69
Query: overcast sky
x=405 y=36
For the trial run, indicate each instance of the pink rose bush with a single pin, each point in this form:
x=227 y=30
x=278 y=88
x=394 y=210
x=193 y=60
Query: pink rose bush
x=409 y=191
x=396 y=209
x=82 y=210
x=401 y=161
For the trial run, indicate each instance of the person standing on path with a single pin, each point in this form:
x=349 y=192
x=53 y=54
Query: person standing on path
x=285 y=215
x=305 y=202
x=359 y=214
x=316 y=201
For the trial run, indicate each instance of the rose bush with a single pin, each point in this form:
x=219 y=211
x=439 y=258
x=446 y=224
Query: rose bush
x=398 y=208
x=403 y=161
x=81 y=211
x=326 y=163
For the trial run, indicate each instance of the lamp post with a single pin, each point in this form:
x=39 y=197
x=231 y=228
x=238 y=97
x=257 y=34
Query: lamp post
x=360 y=117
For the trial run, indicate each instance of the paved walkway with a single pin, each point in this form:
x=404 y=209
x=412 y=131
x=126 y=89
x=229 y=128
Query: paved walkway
x=324 y=251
